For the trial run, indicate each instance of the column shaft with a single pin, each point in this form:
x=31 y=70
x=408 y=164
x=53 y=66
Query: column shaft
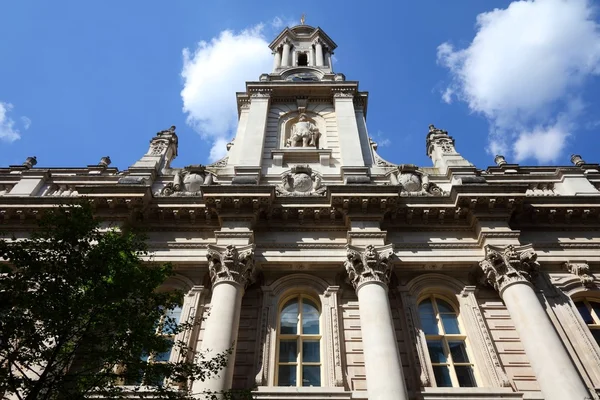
x=276 y=60
x=319 y=51
x=555 y=372
x=221 y=333
x=285 y=58
x=385 y=379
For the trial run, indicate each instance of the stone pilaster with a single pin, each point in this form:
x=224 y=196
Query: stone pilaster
x=369 y=271
x=231 y=269
x=510 y=271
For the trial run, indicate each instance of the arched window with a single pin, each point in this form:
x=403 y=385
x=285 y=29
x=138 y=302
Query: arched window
x=299 y=343
x=452 y=366
x=590 y=312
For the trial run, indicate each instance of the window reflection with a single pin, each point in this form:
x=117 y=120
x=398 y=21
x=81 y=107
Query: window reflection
x=446 y=344
x=299 y=347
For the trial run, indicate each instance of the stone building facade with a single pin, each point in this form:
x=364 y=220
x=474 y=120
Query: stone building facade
x=339 y=275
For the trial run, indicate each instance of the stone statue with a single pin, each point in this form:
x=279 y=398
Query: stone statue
x=304 y=133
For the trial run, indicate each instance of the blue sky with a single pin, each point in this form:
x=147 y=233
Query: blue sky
x=83 y=79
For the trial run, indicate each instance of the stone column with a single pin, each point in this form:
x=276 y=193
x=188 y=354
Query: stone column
x=276 y=59
x=285 y=58
x=311 y=60
x=231 y=270
x=369 y=272
x=510 y=271
x=319 y=51
x=329 y=60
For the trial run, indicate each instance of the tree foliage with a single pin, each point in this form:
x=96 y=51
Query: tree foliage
x=80 y=312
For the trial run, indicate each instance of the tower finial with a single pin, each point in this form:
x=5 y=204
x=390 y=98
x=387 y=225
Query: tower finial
x=302 y=19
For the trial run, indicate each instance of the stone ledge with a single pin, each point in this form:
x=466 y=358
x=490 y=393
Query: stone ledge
x=470 y=394
x=285 y=393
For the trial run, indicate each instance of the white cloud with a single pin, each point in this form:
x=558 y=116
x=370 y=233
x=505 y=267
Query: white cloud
x=523 y=63
x=8 y=132
x=212 y=73
x=26 y=122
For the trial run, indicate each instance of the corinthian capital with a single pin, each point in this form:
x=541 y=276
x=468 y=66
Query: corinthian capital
x=368 y=264
x=231 y=263
x=502 y=267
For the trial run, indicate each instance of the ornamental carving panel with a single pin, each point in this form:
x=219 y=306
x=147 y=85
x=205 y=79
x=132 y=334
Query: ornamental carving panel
x=187 y=182
x=367 y=265
x=231 y=264
x=502 y=267
x=582 y=270
x=301 y=181
x=413 y=182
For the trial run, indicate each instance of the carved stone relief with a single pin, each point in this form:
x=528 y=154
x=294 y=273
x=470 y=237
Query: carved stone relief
x=303 y=133
x=582 y=270
x=413 y=182
x=301 y=181
x=370 y=264
x=502 y=267
x=187 y=182
x=231 y=264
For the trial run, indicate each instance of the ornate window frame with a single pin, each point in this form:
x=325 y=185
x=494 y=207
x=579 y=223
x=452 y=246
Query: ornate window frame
x=487 y=366
x=273 y=297
x=565 y=289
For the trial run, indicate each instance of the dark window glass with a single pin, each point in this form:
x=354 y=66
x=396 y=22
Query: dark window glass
x=287 y=375
x=444 y=307
x=465 y=376
x=436 y=351
x=311 y=351
x=288 y=350
x=165 y=355
x=458 y=352
x=596 y=334
x=450 y=322
x=596 y=308
x=310 y=318
x=442 y=376
x=585 y=313
x=311 y=375
x=428 y=318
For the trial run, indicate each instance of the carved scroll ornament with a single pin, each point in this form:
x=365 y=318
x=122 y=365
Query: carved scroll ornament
x=231 y=264
x=582 y=270
x=368 y=265
x=509 y=265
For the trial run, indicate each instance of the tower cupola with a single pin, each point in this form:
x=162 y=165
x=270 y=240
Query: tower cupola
x=302 y=46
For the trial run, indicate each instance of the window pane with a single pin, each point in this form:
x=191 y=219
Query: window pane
x=311 y=375
x=596 y=333
x=287 y=375
x=442 y=376
x=289 y=318
x=436 y=351
x=596 y=307
x=459 y=352
x=288 y=351
x=585 y=313
x=172 y=318
x=444 y=307
x=428 y=319
x=465 y=376
x=165 y=355
x=310 y=318
x=450 y=322
x=311 y=351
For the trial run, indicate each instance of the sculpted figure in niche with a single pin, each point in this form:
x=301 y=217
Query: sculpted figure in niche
x=304 y=134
